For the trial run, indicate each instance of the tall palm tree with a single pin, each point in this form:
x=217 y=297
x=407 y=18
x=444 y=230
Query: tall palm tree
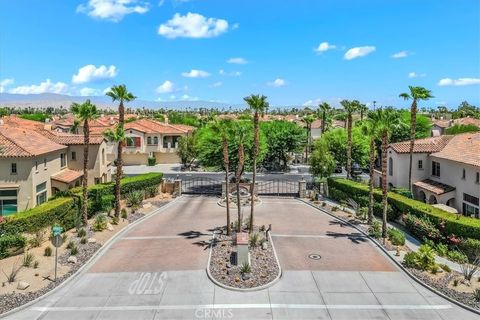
x=222 y=128
x=259 y=105
x=308 y=119
x=119 y=93
x=387 y=121
x=416 y=93
x=85 y=113
x=324 y=109
x=350 y=107
x=241 y=136
x=363 y=109
x=369 y=129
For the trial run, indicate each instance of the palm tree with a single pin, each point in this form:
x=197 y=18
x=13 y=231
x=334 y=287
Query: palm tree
x=350 y=107
x=222 y=128
x=363 y=110
x=241 y=136
x=324 y=109
x=370 y=130
x=416 y=93
x=387 y=121
x=85 y=113
x=121 y=94
x=259 y=105
x=308 y=119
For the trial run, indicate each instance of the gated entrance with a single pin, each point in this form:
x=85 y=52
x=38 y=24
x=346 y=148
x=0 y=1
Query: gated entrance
x=278 y=187
x=202 y=185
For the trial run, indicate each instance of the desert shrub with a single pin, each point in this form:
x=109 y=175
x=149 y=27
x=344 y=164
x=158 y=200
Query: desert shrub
x=100 y=222
x=36 y=263
x=83 y=240
x=64 y=237
x=396 y=237
x=28 y=259
x=445 y=268
x=151 y=191
x=37 y=238
x=423 y=259
x=476 y=294
x=134 y=199
x=422 y=228
x=410 y=260
x=254 y=240
x=245 y=268
x=441 y=249
x=375 y=230
x=124 y=213
x=12 y=275
x=81 y=233
x=470 y=247
x=334 y=208
x=74 y=251
x=70 y=244
x=114 y=220
x=362 y=212
x=457 y=256
x=11 y=244
x=47 y=252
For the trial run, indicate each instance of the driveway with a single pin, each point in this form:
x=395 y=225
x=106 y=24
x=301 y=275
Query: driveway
x=156 y=270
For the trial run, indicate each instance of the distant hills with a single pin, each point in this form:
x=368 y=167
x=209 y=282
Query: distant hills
x=44 y=100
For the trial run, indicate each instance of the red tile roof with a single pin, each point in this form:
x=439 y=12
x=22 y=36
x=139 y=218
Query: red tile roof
x=153 y=126
x=434 y=186
x=69 y=138
x=464 y=148
x=459 y=121
x=24 y=142
x=427 y=145
x=67 y=175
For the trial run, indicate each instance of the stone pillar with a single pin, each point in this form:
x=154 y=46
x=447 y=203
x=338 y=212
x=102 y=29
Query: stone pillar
x=242 y=248
x=302 y=188
x=177 y=187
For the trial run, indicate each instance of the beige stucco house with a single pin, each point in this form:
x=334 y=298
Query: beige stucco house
x=446 y=170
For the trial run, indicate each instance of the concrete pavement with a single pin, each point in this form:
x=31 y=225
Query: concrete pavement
x=157 y=271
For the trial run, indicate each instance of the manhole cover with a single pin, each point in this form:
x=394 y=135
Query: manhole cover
x=314 y=256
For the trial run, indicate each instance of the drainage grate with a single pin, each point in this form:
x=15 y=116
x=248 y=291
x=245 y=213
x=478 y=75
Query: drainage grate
x=315 y=256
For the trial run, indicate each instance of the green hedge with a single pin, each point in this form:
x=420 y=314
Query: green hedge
x=464 y=226
x=10 y=243
x=61 y=211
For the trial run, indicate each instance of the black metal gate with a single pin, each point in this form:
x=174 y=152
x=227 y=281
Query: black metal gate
x=278 y=187
x=202 y=185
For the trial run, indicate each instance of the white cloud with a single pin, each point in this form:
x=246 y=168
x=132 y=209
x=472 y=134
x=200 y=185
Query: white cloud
x=235 y=26
x=237 y=61
x=229 y=74
x=458 y=82
x=312 y=102
x=186 y=97
x=5 y=83
x=277 y=83
x=401 y=54
x=90 y=73
x=192 y=25
x=194 y=73
x=166 y=87
x=43 y=87
x=90 y=92
x=324 y=46
x=217 y=84
x=358 y=52
x=112 y=10
x=416 y=75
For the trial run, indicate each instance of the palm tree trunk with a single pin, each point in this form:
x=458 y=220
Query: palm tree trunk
x=241 y=162
x=308 y=143
x=413 y=129
x=349 y=145
x=86 y=136
x=324 y=120
x=254 y=173
x=384 y=183
x=239 y=207
x=118 y=174
x=370 y=181
x=227 y=183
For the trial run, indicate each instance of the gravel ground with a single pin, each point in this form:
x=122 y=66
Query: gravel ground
x=264 y=267
x=13 y=300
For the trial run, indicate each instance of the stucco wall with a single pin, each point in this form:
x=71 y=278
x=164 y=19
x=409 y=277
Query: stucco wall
x=401 y=162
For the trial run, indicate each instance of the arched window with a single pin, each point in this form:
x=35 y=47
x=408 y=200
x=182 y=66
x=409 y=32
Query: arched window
x=155 y=140
x=149 y=140
x=390 y=166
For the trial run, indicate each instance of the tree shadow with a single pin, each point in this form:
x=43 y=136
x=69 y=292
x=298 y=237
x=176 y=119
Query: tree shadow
x=192 y=234
x=339 y=223
x=355 y=237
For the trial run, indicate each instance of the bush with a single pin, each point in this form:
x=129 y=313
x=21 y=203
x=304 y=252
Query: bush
x=151 y=191
x=245 y=268
x=100 y=222
x=74 y=251
x=36 y=263
x=375 y=230
x=470 y=247
x=11 y=244
x=124 y=213
x=83 y=240
x=81 y=233
x=423 y=259
x=37 y=239
x=47 y=252
x=396 y=237
x=152 y=161
x=441 y=249
x=404 y=192
x=254 y=240
x=60 y=211
x=28 y=259
x=135 y=198
x=457 y=256
x=445 y=268
x=422 y=228
x=465 y=227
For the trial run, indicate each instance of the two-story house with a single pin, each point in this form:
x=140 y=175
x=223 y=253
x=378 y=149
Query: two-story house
x=445 y=170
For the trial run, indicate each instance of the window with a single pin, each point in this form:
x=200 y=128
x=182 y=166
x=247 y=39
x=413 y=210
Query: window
x=149 y=140
x=8 y=202
x=155 y=140
x=13 y=170
x=74 y=156
x=63 y=160
x=134 y=142
x=103 y=157
x=435 y=169
x=477 y=179
x=471 y=199
x=45 y=163
x=36 y=165
x=470 y=211
x=41 y=193
x=390 y=166
x=420 y=164
x=463 y=174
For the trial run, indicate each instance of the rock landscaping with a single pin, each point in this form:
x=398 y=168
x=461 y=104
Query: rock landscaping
x=262 y=269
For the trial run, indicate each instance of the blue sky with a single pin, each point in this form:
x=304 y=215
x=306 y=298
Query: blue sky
x=295 y=52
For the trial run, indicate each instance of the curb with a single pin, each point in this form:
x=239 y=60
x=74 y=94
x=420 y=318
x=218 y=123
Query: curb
x=399 y=265
x=262 y=287
x=90 y=261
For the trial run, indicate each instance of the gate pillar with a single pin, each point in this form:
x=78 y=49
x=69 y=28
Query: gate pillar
x=302 y=188
x=177 y=187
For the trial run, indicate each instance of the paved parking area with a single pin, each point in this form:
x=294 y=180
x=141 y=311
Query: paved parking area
x=157 y=271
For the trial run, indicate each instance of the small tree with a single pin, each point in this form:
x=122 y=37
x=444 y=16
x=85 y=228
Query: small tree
x=322 y=162
x=186 y=150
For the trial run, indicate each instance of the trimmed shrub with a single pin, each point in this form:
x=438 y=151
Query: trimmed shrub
x=461 y=226
x=457 y=256
x=396 y=237
x=470 y=247
x=422 y=228
x=11 y=244
x=152 y=161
